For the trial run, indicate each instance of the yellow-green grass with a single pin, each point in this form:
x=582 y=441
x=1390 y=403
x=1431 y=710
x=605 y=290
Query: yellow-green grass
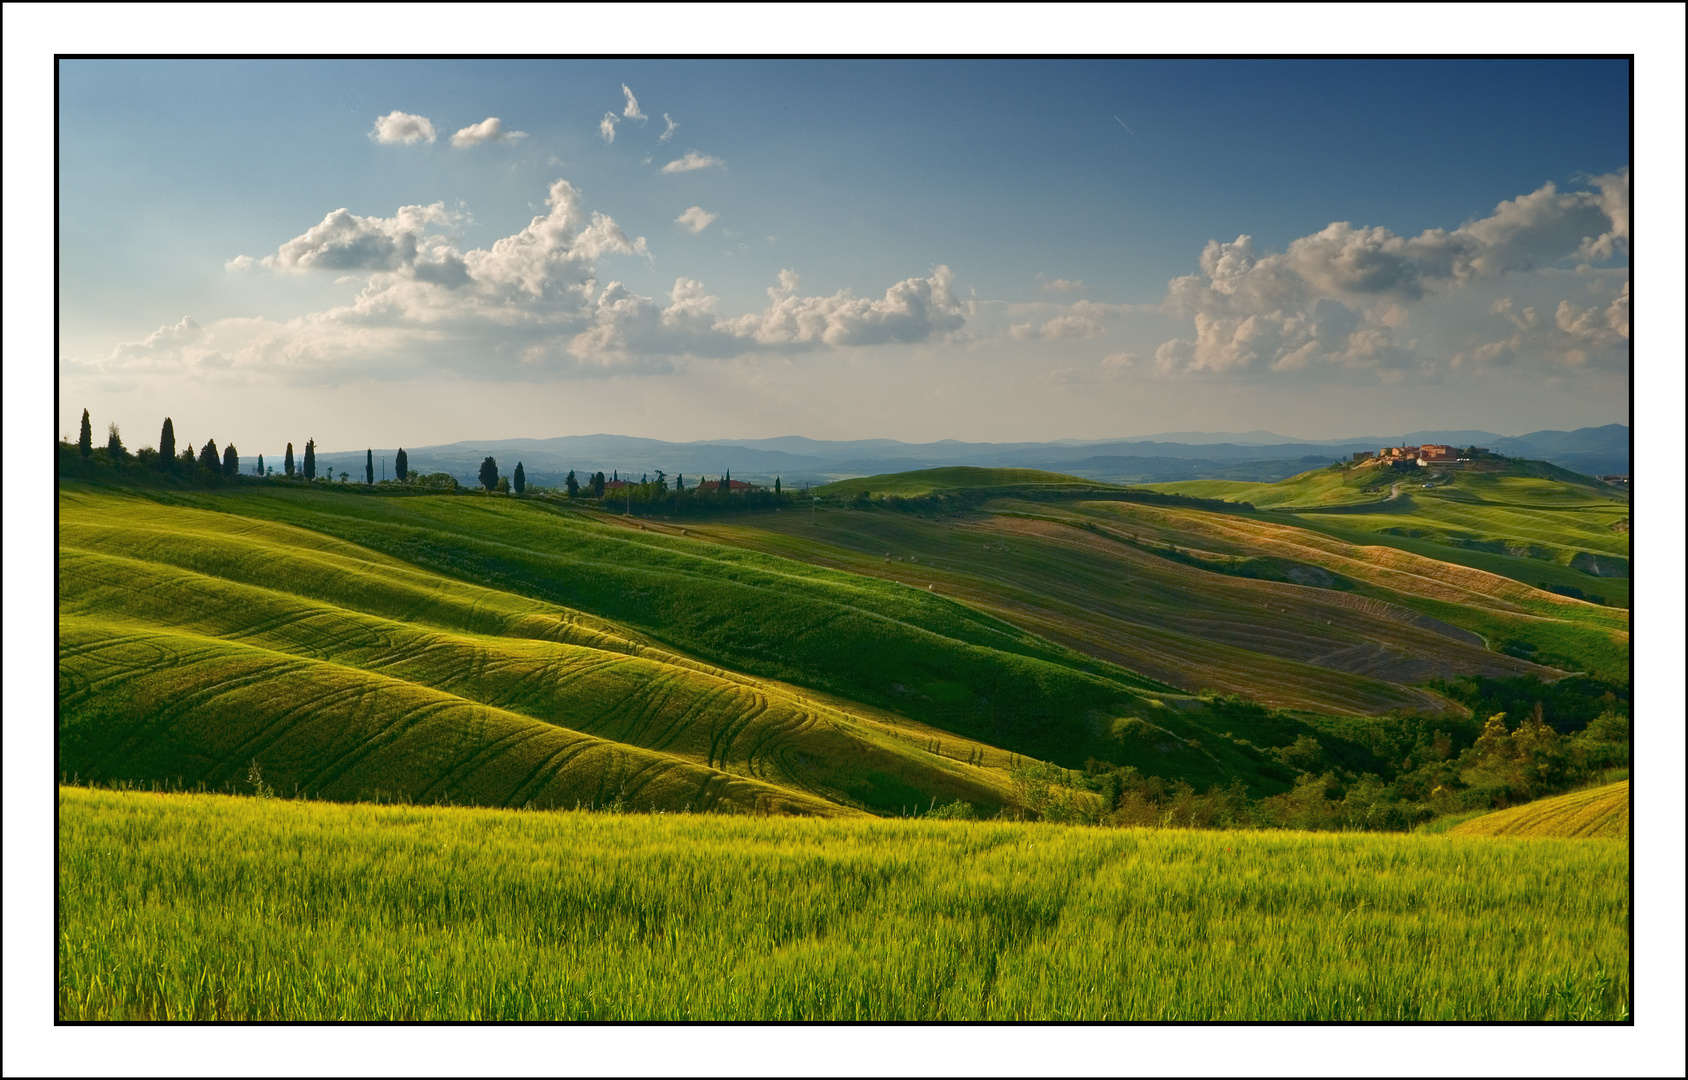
x=1551 y=519
x=955 y=478
x=1597 y=813
x=1071 y=572
x=192 y=643
x=201 y=907
x=1554 y=630
x=975 y=681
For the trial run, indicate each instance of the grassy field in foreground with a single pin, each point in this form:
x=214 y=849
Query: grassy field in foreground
x=1601 y=812
x=182 y=907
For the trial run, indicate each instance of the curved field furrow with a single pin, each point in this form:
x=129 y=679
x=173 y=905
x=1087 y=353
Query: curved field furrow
x=1597 y=813
x=459 y=769
x=342 y=733
x=1449 y=582
x=1072 y=574
x=1274 y=619
x=256 y=661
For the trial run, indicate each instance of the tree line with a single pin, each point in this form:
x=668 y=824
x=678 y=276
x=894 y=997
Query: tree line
x=651 y=494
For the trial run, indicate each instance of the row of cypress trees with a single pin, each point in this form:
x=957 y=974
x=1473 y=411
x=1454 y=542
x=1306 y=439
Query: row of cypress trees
x=225 y=464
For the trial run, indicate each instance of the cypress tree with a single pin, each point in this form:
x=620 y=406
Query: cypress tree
x=287 y=462
x=598 y=484
x=679 y=482
x=208 y=456
x=310 y=459
x=489 y=473
x=167 y=446
x=231 y=461
x=369 y=466
x=260 y=464
x=114 y=444
x=401 y=465
x=572 y=484
x=519 y=479
x=85 y=441
x=776 y=485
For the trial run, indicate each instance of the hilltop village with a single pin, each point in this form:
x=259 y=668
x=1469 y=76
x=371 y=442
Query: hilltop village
x=1427 y=455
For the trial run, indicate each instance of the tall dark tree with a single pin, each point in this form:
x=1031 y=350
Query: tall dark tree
x=287 y=462
x=85 y=441
x=208 y=456
x=776 y=485
x=231 y=461
x=489 y=473
x=369 y=466
x=401 y=465
x=519 y=479
x=726 y=481
x=114 y=443
x=679 y=481
x=598 y=484
x=572 y=484
x=260 y=464
x=310 y=459
x=167 y=446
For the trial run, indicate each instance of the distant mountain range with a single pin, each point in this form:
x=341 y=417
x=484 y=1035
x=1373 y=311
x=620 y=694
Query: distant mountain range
x=1183 y=455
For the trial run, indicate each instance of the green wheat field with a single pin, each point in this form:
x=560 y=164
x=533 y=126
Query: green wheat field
x=177 y=907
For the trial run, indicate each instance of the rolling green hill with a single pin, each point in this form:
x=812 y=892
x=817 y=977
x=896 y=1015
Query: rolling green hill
x=1237 y=602
x=192 y=643
x=1528 y=520
x=1599 y=813
x=502 y=652
x=505 y=651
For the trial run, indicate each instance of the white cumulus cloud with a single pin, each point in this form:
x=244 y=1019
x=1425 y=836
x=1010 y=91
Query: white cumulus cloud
x=672 y=128
x=489 y=130
x=693 y=161
x=346 y=241
x=632 y=110
x=1341 y=297
x=606 y=127
x=530 y=305
x=1577 y=337
x=696 y=219
x=402 y=127
x=910 y=310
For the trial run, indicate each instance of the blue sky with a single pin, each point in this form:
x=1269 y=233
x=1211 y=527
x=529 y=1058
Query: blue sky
x=986 y=250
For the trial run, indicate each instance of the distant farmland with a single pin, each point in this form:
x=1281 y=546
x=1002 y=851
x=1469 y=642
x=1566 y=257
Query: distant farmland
x=1601 y=812
x=209 y=907
x=1257 y=604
